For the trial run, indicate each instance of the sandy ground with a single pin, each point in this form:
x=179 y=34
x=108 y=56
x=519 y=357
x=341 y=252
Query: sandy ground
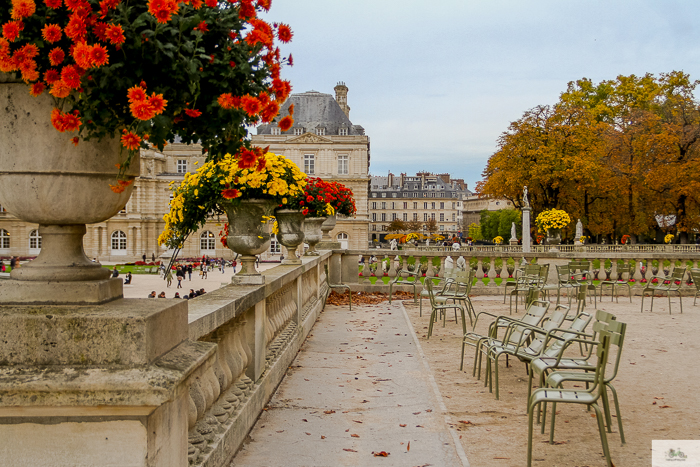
x=657 y=384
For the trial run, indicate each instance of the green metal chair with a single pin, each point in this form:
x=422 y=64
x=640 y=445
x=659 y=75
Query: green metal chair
x=676 y=276
x=402 y=278
x=588 y=397
x=620 y=281
x=458 y=290
x=529 y=279
x=507 y=284
x=695 y=275
x=335 y=286
x=439 y=306
x=564 y=281
x=581 y=271
x=443 y=283
x=555 y=380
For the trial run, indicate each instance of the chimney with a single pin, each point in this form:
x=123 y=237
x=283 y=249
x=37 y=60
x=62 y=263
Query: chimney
x=341 y=97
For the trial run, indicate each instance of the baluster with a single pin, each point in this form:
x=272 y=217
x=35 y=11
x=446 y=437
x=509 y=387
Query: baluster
x=613 y=270
x=221 y=369
x=198 y=398
x=480 y=270
x=191 y=411
x=366 y=270
x=385 y=269
x=430 y=272
x=392 y=266
x=441 y=269
x=492 y=272
x=637 y=271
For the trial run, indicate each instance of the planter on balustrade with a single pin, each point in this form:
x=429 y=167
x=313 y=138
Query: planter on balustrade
x=327 y=242
x=249 y=235
x=553 y=237
x=291 y=233
x=313 y=233
x=46 y=180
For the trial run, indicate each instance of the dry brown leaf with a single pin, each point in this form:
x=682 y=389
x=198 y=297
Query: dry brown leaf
x=380 y=454
x=402 y=425
x=354 y=435
x=329 y=411
x=323 y=437
x=357 y=421
x=664 y=406
x=349 y=450
x=408 y=448
x=309 y=434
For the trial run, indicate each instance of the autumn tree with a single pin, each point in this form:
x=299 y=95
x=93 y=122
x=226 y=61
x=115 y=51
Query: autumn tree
x=431 y=225
x=397 y=225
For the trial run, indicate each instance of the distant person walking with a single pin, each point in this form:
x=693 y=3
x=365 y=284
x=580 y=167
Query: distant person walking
x=115 y=273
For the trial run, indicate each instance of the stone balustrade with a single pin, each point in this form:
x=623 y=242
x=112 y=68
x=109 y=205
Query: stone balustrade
x=499 y=262
x=257 y=331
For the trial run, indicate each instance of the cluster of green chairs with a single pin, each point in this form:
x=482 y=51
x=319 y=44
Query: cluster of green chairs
x=452 y=294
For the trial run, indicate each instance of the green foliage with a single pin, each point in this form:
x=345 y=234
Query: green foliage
x=475 y=231
x=498 y=223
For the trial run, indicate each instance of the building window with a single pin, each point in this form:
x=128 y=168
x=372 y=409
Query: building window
x=384 y=228
x=405 y=216
x=415 y=195
x=275 y=247
x=374 y=205
x=321 y=131
x=343 y=132
x=453 y=205
x=442 y=205
x=415 y=205
x=118 y=240
x=182 y=166
x=442 y=195
x=442 y=227
x=432 y=216
x=34 y=240
x=432 y=206
x=374 y=226
x=425 y=195
x=425 y=216
x=343 y=164
x=4 y=239
x=343 y=239
x=207 y=241
x=393 y=195
x=298 y=131
x=374 y=195
x=383 y=204
x=415 y=216
x=383 y=217
x=374 y=217
x=383 y=195
x=392 y=205
x=405 y=205
x=393 y=216
x=442 y=217
x=425 y=205
x=309 y=164
x=276 y=130
x=453 y=217
x=432 y=195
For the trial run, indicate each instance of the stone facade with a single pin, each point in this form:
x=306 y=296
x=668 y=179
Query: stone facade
x=324 y=143
x=473 y=204
x=416 y=198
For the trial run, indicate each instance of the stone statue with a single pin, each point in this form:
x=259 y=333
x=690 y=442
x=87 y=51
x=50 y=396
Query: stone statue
x=513 y=233
x=393 y=244
x=579 y=230
x=526 y=202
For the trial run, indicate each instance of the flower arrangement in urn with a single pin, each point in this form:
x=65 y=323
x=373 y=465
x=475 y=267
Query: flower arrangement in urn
x=150 y=71
x=498 y=240
x=552 y=219
x=229 y=182
x=668 y=238
x=316 y=200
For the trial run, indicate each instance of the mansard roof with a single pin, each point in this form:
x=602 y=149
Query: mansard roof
x=314 y=110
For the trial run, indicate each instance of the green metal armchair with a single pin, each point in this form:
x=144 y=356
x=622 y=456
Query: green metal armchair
x=675 y=280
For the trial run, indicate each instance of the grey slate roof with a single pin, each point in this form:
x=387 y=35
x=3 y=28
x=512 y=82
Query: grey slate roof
x=314 y=110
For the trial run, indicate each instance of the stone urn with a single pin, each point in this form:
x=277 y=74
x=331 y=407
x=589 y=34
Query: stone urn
x=327 y=242
x=45 y=179
x=553 y=237
x=291 y=233
x=248 y=235
x=313 y=233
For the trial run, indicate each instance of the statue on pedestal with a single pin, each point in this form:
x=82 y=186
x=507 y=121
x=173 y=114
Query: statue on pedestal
x=526 y=202
x=579 y=233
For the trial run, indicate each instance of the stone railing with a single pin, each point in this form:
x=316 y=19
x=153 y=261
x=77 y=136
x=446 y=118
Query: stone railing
x=258 y=331
x=591 y=248
x=500 y=263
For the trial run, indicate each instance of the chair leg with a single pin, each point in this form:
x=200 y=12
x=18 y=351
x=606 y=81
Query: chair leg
x=603 y=436
x=680 y=300
x=430 y=326
x=390 y=293
x=642 y=309
x=530 y=416
x=551 y=428
x=617 y=412
x=606 y=411
x=461 y=362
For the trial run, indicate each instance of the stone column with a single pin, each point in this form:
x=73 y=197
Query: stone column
x=526 y=229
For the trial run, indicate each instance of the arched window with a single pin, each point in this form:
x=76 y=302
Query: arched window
x=118 y=242
x=4 y=239
x=34 y=241
x=207 y=241
x=275 y=247
x=343 y=239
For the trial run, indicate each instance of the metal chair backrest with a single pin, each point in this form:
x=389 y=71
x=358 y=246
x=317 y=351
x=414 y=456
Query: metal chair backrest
x=617 y=331
x=677 y=276
x=622 y=270
x=695 y=275
x=578 y=325
x=554 y=321
x=602 y=352
x=534 y=314
x=564 y=274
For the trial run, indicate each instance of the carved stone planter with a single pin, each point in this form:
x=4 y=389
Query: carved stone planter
x=553 y=237
x=327 y=242
x=45 y=179
x=313 y=233
x=249 y=235
x=291 y=233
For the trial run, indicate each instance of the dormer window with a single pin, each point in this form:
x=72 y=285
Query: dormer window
x=321 y=131
x=298 y=131
x=343 y=132
x=276 y=130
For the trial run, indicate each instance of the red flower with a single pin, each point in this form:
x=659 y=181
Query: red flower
x=70 y=76
x=131 y=141
x=284 y=33
x=75 y=140
x=98 y=55
x=232 y=64
x=264 y=4
x=305 y=211
x=115 y=34
x=194 y=113
x=251 y=105
x=136 y=93
x=247 y=159
x=37 y=89
x=143 y=110
x=291 y=109
x=23 y=8
x=226 y=100
x=286 y=123
x=230 y=193
x=81 y=54
x=158 y=103
x=202 y=26
x=56 y=56
x=53 y=3
x=51 y=33
x=11 y=29
x=210 y=3
x=162 y=9
x=261 y=163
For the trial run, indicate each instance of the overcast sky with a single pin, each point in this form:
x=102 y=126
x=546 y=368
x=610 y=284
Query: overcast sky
x=434 y=83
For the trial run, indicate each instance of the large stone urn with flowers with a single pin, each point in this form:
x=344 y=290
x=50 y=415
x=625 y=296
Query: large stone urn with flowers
x=249 y=235
x=291 y=233
x=47 y=180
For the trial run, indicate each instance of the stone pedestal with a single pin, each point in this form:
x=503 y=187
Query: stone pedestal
x=13 y=292
x=328 y=245
x=97 y=385
x=526 y=229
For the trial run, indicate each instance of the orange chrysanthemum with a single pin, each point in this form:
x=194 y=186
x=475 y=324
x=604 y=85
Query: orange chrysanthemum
x=162 y=9
x=75 y=140
x=251 y=105
x=71 y=76
x=120 y=186
x=230 y=193
x=143 y=110
x=37 y=89
x=98 y=55
x=270 y=112
x=226 y=100
x=51 y=76
x=194 y=113
x=158 y=103
x=60 y=89
x=11 y=29
x=23 y=8
x=286 y=123
x=247 y=159
x=65 y=122
x=56 y=56
x=284 y=33
x=53 y=3
x=81 y=54
x=136 y=94
x=291 y=109
x=76 y=28
x=51 y=33
x=131 y=141
x=115 y=34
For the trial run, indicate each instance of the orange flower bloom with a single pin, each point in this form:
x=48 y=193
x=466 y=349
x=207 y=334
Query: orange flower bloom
x=120 y=186
x=75 y=140
x=251 y=105
x=23 y=8
x=70 y=76
x=71 y=122
x=270 y=112
x=286 y=123
x=226 y=100
x=284 y=33
x=37 y=89
x=131 y=141
x=162 y=9
x=28 y=70
x=81 y=54
x=136 y=94
x=53 y=3
x=51 y=33
x=158 y=103
x=98 y=55
x=247 y=159
x=11 y=29
x=291 y=109
x=143 y=110
x=76 y=28
x=264 y=4
x=202 y=26
x=60 y=89
x=56 y=56
x=230 y=193
x=51 y=76
x=194 y=113
x=115 y=34
x=64 y=122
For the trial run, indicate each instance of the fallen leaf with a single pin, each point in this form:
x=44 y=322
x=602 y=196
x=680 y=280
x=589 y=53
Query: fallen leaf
x=664 y=406
x=466 y=423
x=357 y=421
x=429 y=410
x=380 y=454
x=328 y=411
x=419 y=426
x=416 y=413
x=408 y=448
x=323 y=437
x=349 y=450
x=402 y=425
x=347 y=430
x=304 y=420
x=280 y=431
x=354 y=435
x=309 y=434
